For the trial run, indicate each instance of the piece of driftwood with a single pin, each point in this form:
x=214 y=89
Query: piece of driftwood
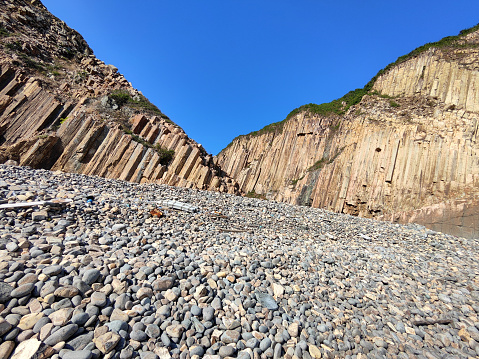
x=180 y=206
x=431 y=322
x=53 y=202
x=233 y=230
x=214 y=215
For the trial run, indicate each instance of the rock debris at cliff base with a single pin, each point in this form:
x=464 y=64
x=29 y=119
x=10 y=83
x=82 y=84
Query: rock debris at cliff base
x=101 y=277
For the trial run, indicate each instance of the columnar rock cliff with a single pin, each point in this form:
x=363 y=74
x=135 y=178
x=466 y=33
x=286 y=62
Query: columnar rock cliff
x=406 y=152
x=63 y=109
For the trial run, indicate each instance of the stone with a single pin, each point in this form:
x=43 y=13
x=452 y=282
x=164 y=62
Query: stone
x=6 y=348
x=171 y=295
x=175 y=330
x=78 y=354
x=314 y=351
x=12 y=247
x=138 y=335
x=265 y=344
x=293 y=330
x=230 y=336
x=226 y=351
x=195 y=310
x=90 y=276
x=5 y=292
x=4 y=326
x=252 y=343
x=278 y=351
x=278 y=290
x=153 y=331
x=148 y=355
x=118 y=314
x=98 y=299
x=267 y=301
x=163 y=284
x=40 y=324
x=61 y=334
x=197 y=350
x=107 y=342
x=68 y=291
x=200 y=291
x=117 y=325
x=45 y=331
x=52 y=270
x=22 y=290
x=208 y=314
x=61 y=316
x=26 y=349
x=144 y=292
x=230 y=323
x=81 y=342
x=118 y=227
x=354 y=290
x=39 y=215
x=28 y=321
x=80 y=318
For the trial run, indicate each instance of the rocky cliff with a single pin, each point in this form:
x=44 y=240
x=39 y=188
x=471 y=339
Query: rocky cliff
x=61 y=108
x=407 y=151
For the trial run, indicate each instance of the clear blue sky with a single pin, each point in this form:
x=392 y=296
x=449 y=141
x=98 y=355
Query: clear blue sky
x=221 y=68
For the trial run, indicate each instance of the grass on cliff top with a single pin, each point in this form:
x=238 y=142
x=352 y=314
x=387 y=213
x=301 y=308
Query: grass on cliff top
x=341 y=105
x=123 y=98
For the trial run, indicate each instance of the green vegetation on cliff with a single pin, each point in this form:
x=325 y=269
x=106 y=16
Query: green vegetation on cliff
x=139 y=103
x=165 y=154
x=341 y=105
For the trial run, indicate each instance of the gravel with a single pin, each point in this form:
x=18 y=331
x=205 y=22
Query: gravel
x=240 y=278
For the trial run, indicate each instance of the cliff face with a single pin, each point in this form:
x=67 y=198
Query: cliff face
x=63 y=109
x=407 y=152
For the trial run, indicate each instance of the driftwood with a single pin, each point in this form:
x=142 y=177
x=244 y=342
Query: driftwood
x=219 y=216
x=180 y=206
x=431 y=322
x=233 y=230
x=53 y=202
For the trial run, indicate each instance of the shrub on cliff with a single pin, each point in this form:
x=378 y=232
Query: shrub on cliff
x=137 y=103
x=165 y=155
x=121 y=97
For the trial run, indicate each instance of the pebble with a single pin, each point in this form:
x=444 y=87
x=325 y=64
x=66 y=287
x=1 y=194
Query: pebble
x=230 y=336
x=90 y=276
x=6 y=348
x=78 y=354
x=227 y=351
x=107 y=342
x=98 y=299
x=61 y=335
x=5 y=292
x=296 y=282
x=22 y=290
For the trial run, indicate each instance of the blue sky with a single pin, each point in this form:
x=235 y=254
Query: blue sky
x=221 y=68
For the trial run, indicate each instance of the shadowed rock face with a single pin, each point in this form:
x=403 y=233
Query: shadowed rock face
x=407 y=152
x=58 y=110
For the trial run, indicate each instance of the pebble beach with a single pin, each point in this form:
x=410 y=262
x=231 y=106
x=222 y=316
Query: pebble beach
x=111 y=273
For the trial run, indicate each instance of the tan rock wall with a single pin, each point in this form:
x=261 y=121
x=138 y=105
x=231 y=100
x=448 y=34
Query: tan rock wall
x=434 y=75
x=84 y=142
x=414 y=161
